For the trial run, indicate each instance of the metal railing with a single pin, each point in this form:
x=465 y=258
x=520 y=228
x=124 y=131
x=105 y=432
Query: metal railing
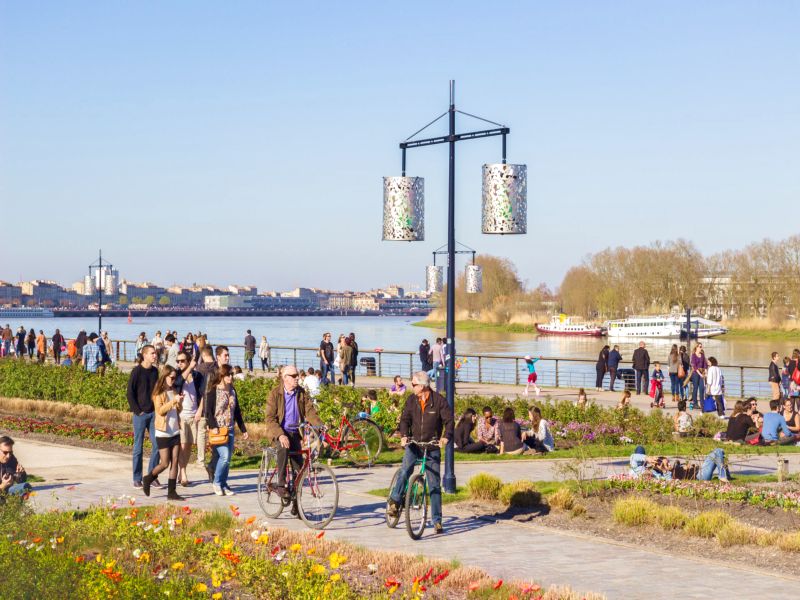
x=740 y=380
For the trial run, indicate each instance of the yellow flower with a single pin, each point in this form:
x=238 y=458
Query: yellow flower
x=60 y=540
x=336 y=560
x=215 y=580
x=295 y=547
x=327 y=589
x=335 y=577
x=201 y=587
x=318 y=569
x=311 y=551
x=228 y=546
x=179 y=520
x=216 y=539
x=144 y=557
x=217 y=595
x=178 y=566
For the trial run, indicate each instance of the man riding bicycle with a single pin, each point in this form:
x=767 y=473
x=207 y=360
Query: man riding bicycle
x=426 y=417
x=288 y=405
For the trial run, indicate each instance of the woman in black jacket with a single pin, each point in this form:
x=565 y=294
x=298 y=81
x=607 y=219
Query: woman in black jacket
x=463 y=440
x=601 y=367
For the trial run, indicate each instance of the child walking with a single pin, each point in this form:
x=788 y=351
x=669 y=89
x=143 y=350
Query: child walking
x=531 y=364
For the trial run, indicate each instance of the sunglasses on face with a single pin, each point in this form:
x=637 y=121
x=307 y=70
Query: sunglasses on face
x=292 y=375
x=6 y=452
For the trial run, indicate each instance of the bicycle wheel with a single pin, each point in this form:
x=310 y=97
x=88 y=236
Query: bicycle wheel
x=392 y=521
x=270 y=502
x=416 y=506
x=317 y=496
x=366 y=441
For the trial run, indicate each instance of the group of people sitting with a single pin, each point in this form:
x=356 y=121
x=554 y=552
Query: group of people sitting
x=503 y=436
x=780 y=426
x=659 y=467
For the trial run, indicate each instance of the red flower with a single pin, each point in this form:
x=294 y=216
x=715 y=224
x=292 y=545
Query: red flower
x=473 y=586
x=440 y=577
x=320 y=535
x=391 y=582
x=497 y=585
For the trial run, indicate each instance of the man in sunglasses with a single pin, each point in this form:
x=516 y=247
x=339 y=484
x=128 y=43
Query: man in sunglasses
x=288 y=406
x=12 y=475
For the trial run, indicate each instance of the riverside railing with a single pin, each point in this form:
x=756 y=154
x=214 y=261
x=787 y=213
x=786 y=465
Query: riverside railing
x=741 y=381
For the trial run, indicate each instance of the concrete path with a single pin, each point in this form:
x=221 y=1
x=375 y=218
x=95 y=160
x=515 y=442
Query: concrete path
x=77 y=478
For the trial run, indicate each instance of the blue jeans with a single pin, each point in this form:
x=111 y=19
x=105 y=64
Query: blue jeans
x=326 y=368
x=19 y=489
x=698 y=386
x=221 y=461
x=410 y=457
x=142 y=423
x=248 y=359
x=715 y=461
x=674 y=385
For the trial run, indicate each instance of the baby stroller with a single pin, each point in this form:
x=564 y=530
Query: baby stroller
x=657 y=394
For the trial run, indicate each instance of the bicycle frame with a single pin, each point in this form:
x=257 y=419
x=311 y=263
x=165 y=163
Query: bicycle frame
x=336 y=442
x=306 y=453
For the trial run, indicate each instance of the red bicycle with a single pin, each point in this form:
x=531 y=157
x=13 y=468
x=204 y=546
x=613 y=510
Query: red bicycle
x=360 y=440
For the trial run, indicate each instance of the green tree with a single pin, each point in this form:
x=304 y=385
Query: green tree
x=149 y=300
x=123 y=300
x=164 y=301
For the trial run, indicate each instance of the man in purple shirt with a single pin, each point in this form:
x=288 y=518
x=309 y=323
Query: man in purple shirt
x=288 y=405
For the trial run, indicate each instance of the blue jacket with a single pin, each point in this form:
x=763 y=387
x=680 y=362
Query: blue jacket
x=614 y=358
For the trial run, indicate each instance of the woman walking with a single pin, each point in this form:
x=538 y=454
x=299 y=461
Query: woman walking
x=168 y=431
x=30 y=341
x=222 y=411
x=347 y=361
x=699 y=368
x=41 y=347
x=263 y=353
x=601 y=367
x=683 y=373
x=673 y=364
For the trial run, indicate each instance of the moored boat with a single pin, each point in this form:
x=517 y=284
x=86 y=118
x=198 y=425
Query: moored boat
x=665 y=326
x=564 y=325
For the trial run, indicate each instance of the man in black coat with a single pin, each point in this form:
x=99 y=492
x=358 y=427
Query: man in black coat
x=426 y=418
x=641 y=364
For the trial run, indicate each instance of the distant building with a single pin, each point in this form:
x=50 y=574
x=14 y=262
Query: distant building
x=49 y=294
x=10 y=295
x=243 y=290
x=235 y=302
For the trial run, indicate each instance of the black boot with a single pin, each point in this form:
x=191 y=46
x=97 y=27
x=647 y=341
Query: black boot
x=171 y=493
x=146 y=481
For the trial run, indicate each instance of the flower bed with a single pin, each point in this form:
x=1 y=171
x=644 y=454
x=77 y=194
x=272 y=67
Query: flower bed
x=84 y=431
x=767 y=498
x=122 y=551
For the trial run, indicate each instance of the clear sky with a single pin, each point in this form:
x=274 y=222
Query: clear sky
x=245 y=142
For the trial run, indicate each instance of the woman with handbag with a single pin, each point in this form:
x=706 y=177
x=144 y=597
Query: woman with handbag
x=222 y=410
x=673 y=367
x=168 y=431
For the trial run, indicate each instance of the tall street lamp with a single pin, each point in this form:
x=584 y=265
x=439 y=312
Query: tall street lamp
x=100 y=267
x=504 y=212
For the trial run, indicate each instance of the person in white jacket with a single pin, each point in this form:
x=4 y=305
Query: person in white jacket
x=715 y=385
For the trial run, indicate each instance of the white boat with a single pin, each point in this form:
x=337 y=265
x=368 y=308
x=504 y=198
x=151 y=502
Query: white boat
x=26 y=312
x=665 y=326
x=564 y=325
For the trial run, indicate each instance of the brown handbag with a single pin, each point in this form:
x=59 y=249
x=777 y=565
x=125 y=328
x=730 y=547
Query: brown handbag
x=218 y=439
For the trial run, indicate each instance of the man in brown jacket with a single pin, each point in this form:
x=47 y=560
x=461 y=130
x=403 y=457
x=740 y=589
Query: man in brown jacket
x=288 y=405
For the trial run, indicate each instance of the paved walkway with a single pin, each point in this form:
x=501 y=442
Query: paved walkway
x=78 y=477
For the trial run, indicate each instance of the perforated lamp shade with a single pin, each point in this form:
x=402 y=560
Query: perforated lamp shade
x=505 y=199
x=434 y=278
x=403 y=209
x=474 y=279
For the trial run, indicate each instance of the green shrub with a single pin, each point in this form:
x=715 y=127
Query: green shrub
x=635 y=511
x=520 y=494
x=707 y=524
x=670 y=517
x=483 y=486
x=563 y=499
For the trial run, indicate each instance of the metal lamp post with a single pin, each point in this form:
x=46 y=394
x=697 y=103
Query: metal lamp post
x=503 y=204
x=99 y=266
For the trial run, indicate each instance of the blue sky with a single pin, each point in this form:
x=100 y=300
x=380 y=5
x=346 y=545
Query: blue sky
x=245 y=142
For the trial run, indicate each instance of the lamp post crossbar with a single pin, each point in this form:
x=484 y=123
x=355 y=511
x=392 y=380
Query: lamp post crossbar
x=449 y=479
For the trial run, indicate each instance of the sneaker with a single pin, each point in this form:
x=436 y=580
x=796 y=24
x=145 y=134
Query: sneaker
x=392 y=509
x=294 y=509
x=228 y=491
x=210 y=472
x=156 y=483
x=437 y=528
x=137 y=484
x=218 y=491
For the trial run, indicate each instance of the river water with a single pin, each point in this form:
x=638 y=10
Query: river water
x=397 y=333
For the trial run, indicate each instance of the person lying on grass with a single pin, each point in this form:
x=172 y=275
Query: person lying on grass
x=661 y=468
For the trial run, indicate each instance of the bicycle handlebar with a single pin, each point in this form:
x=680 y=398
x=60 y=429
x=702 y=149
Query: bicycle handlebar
x=432 y=443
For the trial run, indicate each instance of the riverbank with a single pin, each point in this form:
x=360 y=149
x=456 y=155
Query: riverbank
x=473 y=325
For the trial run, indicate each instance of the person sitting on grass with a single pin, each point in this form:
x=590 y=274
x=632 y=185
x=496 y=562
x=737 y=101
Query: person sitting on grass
x=12 y=474
x=510 y=434
x=489 y=431
x=463 y=439
x=370 y=402
x=398 y=387
x=775 y=429
x=791 y=415
x=539 y=438
x=682 y=421
x=625 y=401
x=741 y=424
x=641 y=465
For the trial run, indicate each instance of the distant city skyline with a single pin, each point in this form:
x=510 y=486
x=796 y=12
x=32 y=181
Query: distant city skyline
x=247 y=142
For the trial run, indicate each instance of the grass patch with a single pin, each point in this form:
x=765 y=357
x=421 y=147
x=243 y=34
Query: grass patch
x=217 y=520
x=563 y=499
x=483 y=486
x=707 y=524
x=671 y=517
x=520 y=494
x=789 y=542
x=735 y=533
x=634 y=511
x=473 y=325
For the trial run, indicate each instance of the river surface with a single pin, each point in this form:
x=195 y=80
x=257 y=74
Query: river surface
x=397 y=333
